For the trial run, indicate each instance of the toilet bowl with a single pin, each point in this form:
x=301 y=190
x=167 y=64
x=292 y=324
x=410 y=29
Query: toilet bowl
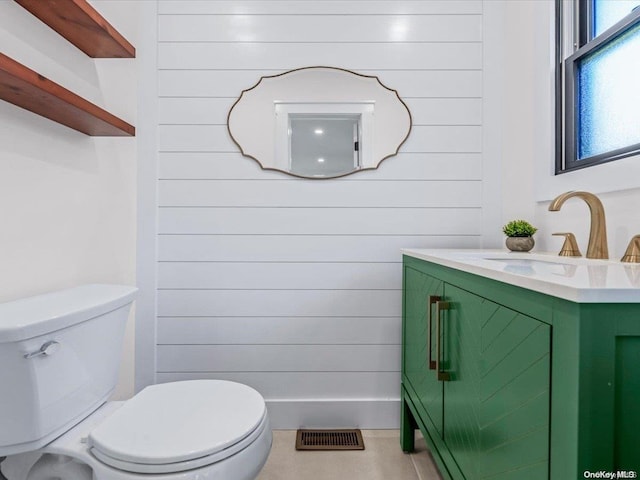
x=58 y=423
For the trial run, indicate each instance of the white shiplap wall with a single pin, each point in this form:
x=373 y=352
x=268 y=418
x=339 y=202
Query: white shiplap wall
x=294 y=286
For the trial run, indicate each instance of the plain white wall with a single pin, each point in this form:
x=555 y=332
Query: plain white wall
x=67 y=201
x=528 y=144
x=516 y=120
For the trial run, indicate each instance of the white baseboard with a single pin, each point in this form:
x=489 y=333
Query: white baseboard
x=334 y=413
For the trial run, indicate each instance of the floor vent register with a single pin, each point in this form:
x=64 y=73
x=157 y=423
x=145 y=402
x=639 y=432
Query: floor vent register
x=329 y=440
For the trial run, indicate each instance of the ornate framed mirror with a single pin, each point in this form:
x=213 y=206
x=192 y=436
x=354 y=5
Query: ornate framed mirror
x=319 y=122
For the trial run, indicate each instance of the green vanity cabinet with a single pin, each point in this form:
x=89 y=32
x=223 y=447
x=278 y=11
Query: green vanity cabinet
x=419 y=343
x=507 y=383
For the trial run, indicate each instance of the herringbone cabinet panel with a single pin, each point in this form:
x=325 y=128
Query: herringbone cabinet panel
x=496 y=405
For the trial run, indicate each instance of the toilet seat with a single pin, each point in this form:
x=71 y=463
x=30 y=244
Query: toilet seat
x=185 y=465
x=179 y=426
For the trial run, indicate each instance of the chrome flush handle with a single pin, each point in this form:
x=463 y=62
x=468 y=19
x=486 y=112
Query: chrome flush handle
x=48 y=348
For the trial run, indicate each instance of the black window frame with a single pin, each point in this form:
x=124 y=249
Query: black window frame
x=566 y=83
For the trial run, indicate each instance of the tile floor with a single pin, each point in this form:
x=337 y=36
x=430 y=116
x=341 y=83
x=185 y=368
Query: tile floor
x=382 y=459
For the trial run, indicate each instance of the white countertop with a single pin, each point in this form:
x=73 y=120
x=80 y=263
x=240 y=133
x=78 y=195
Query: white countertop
x=576 y=279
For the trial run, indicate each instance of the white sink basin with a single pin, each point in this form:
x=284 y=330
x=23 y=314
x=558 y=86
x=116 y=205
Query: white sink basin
x=524 y=261
x=531 y=266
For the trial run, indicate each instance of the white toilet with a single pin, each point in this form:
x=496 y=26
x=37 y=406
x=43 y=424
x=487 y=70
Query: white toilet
x=59 y=361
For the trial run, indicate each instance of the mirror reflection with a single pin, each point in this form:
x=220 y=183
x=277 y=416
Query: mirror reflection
x=319 y=122
x=323 y=145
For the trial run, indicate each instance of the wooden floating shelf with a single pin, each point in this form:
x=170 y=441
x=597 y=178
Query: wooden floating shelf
x=30 y=90
x=82 y=25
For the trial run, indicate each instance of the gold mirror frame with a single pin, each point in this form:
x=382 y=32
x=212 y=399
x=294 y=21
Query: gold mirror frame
x=312 y=95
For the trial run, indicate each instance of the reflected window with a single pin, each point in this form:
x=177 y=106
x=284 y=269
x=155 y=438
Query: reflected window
x=324 y=145
x=324 y=140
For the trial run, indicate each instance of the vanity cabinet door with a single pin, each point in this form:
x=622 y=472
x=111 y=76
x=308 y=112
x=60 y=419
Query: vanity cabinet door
x=496 y=400
x=419 y=287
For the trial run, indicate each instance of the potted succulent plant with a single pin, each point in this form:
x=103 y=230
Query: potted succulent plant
x=519 y=235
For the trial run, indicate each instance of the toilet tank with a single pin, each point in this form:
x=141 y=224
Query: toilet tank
x=59 y=361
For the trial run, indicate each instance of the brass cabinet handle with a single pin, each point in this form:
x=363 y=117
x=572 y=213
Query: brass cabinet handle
x=432 y=299
x=442 y=375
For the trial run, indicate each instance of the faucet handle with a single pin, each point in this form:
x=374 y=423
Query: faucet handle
x=632 y=255
x=570 y=245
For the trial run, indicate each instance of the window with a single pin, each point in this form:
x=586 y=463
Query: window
x=597 y=82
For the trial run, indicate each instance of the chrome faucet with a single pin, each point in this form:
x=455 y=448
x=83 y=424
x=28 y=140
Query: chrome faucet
x=598 y=233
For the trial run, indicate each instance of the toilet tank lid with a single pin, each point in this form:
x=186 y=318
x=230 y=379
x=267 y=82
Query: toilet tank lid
x=33 y=316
